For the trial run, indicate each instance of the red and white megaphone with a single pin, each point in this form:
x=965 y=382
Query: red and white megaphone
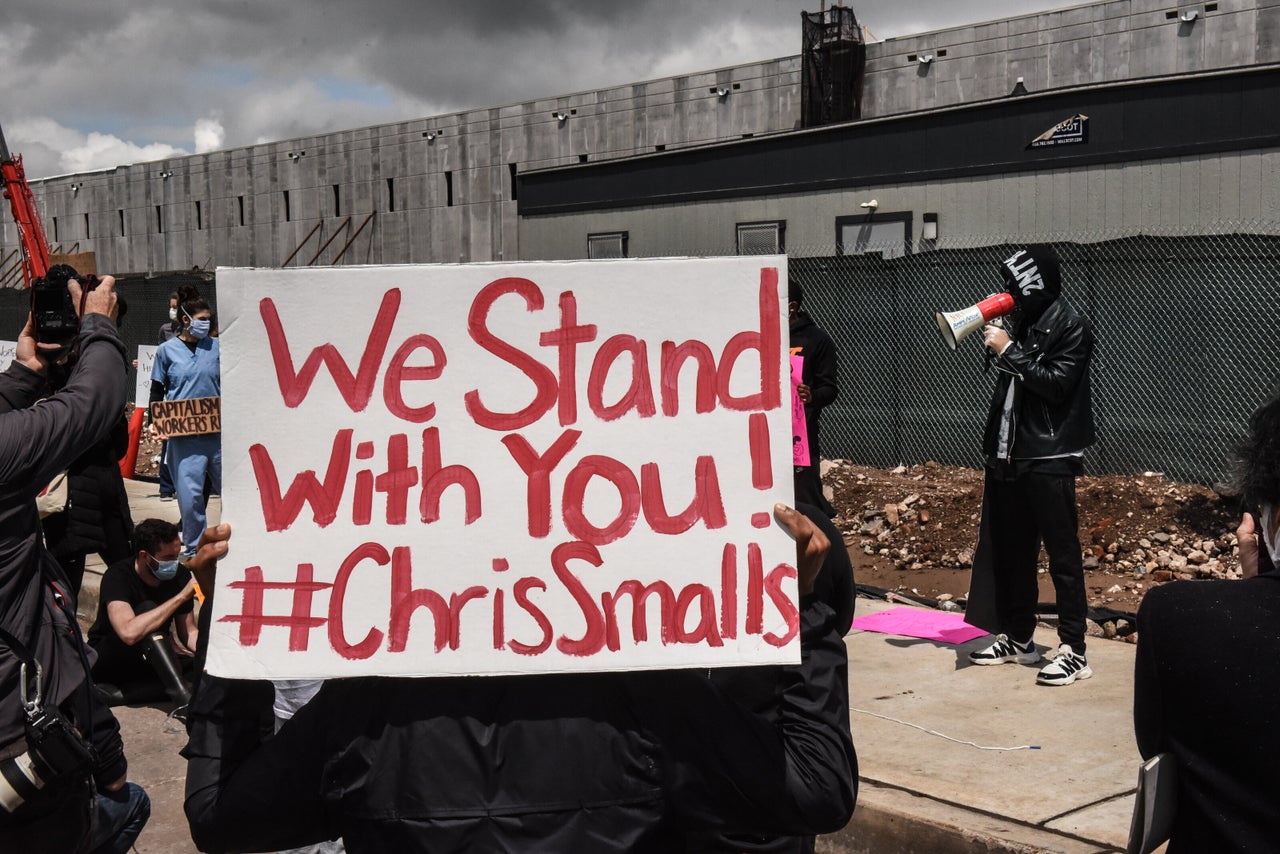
x=955 y=325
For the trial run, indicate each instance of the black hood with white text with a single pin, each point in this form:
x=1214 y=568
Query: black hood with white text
x=1032 y=276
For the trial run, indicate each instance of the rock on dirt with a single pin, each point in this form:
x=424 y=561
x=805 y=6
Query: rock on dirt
x=916 y=527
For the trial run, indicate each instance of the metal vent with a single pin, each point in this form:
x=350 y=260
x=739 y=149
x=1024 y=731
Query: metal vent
x=611 y=244
x=761 y=238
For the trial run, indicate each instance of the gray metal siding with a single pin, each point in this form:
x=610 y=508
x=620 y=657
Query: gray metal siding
x=1181 y=193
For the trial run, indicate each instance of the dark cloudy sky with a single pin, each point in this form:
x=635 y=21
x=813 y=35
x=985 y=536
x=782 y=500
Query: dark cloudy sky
x=90 y=85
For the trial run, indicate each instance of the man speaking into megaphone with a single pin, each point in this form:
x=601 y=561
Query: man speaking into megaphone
x=1039 y=423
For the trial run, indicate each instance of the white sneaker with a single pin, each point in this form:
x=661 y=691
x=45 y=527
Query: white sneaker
x=1065 y=669
x=1005 y=650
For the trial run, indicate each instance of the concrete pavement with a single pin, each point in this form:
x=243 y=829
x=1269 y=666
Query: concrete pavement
x=919 y=793
x=923 y=793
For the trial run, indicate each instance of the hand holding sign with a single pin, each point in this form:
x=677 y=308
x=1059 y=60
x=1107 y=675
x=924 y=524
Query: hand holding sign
x=214 y=544
x=811 y=545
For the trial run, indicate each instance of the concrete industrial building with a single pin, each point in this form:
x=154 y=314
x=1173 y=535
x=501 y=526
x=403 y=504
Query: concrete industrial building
x=446 y=188
x=1163 y=122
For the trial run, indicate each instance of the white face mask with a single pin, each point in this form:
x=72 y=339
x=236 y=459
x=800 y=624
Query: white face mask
x=173 y=314
x=1270 y=540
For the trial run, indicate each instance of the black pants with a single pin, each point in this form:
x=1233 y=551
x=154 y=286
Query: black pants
x=1028 y=509
x=808 y=484
x=147 y=671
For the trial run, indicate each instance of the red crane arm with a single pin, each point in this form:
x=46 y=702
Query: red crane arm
x=35 y=246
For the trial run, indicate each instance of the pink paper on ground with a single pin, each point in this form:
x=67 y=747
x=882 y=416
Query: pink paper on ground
x=944 y=626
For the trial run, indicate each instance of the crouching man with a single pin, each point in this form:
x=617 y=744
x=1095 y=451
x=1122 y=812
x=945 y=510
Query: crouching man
x=141 y=600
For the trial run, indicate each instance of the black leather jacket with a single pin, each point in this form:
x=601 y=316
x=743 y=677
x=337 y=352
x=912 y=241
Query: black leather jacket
x=1052 y=407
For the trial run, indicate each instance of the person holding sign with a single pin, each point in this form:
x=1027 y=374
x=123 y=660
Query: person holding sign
x=601 y=762
x=818 y=389
x=187 y=368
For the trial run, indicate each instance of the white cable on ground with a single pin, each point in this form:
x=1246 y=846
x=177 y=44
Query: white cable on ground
x=174 y=724
x=940 y=735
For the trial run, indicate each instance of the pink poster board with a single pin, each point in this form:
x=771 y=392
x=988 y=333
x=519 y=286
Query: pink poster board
x=799 y=427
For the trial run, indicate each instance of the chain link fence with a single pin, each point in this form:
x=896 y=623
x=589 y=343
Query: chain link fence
x=1185 y=329
x=1186 y=347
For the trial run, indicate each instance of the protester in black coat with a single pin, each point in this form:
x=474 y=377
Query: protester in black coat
x=1039 y=424
x=1207 y=668
x=97 y=518
x=601 y=762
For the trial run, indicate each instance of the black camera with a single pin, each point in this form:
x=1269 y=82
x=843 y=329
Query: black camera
x=54 y=745
x=52 y=309
x=54 y=750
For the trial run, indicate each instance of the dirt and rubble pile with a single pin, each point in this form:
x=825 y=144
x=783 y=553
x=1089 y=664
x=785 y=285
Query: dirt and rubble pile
x=913 y=529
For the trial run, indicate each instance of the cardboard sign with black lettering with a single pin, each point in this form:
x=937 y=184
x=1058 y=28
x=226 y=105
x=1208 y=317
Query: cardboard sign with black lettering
x=505 y=468
x=195 y=417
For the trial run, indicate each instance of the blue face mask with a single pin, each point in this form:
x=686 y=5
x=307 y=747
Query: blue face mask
x=200 y=329
x=164 y=570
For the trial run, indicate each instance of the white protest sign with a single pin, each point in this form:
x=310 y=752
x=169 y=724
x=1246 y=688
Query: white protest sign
x=142 y=382
x=504 y=468
x=8 y=349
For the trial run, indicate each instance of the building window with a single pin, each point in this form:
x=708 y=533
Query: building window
x=511 y=167
x=159 y=220
x=929 y=232
x=240 y=203
x=121 y=213
x=391 y=195
x=886 y=233
x=288 y=212
x=55 y=228
x=448 y=189
x=199 y=217
x=611 y=244
x=762 y=238
x=86 y=227
x=337 y=201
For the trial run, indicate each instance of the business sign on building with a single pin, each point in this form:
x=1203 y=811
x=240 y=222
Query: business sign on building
x=1072 y=131
x=494 y=469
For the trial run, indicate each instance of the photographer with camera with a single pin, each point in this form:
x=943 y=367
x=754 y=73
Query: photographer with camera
x=62 y=764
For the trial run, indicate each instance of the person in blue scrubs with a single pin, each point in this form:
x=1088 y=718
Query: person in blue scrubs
x=186 y=367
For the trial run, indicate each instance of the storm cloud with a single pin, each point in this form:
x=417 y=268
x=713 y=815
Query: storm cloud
x=119 y=81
